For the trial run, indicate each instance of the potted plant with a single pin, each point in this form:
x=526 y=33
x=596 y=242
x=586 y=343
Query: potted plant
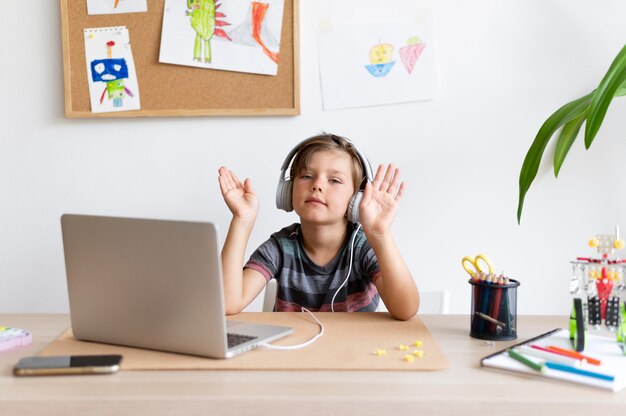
x=590 y=108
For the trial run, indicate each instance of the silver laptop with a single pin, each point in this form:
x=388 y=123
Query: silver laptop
x=152 y=284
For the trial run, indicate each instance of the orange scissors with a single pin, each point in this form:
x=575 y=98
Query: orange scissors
x=472 y=266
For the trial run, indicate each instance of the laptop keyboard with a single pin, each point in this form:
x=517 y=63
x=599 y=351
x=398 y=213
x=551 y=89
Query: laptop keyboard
x=237 y=339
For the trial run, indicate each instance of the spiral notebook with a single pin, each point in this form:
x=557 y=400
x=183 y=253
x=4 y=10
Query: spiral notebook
x=605 y=349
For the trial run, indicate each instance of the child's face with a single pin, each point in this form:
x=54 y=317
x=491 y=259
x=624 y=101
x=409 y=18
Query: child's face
x=322 y=190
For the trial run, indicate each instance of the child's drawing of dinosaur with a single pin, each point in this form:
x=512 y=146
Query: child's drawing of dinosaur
x=204 y=21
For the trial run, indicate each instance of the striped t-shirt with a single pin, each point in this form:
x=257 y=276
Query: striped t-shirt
x=301 y=282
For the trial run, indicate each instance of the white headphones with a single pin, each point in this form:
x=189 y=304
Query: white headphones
x=285 y=181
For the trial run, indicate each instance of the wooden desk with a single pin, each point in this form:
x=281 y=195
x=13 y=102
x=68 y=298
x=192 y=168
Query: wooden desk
x=463 y=389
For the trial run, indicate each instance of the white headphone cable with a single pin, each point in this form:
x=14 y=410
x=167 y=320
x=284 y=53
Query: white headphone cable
x=298 y=346
x=312 y=340
x=332 y=302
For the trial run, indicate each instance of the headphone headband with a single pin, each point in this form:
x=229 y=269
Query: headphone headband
x=285 y=185
x=367 y=169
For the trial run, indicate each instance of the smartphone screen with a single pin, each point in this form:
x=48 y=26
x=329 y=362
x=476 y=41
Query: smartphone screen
x=68 y=364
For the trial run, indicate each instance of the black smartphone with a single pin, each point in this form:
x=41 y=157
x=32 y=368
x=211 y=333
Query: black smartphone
x=67 y=364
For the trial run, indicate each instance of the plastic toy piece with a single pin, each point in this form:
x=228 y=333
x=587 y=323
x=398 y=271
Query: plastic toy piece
x=380 y=352
x=409 y=358
x=418 y=353
x=604 y=286
x=597 y=285
x=418 y=343
x=621 y=331
x=612 y=312
x=593 y=305
x=13 y=337
x=577 y=326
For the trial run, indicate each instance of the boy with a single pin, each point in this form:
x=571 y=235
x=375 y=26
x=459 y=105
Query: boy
x=324 y=262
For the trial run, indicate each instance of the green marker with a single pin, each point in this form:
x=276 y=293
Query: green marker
x=519 y=357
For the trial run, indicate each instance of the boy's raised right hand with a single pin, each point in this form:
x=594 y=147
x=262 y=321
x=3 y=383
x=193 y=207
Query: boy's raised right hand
x=239 y=197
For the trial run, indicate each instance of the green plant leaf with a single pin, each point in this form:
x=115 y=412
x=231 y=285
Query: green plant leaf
x=621 y=91
x=613 y=79
x=566 y=113
x=566 y=139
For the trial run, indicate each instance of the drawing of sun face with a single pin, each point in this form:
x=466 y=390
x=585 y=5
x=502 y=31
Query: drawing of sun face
x=380 y=58
x=381 y=53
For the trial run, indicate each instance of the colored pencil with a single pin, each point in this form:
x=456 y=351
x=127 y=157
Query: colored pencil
x=580 y=371
x=519 y=357
x=495 y=308
x=548 y=355
x=574 y=354
x=484 y=303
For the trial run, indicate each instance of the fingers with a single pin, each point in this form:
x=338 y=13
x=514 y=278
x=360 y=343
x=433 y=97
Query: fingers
x=228 y=180
x=225 y=179
x=247 y=186
x=367 y=194
x=222 y=179
x=400 y=191
x=389 y=174
x=394 y=186
x=235 y=179
x=378 y=178
x=223 y=185
x=388 y=180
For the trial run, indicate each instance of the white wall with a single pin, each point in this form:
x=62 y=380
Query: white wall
x=505 y=66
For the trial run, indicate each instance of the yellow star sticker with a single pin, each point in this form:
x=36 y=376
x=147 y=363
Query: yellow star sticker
x=380 y=352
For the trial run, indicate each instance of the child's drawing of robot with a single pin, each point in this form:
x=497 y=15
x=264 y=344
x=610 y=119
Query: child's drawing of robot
x=111 y=71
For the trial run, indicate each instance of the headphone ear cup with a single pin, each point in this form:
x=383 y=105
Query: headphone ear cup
x=279 y=194
x=287 y=202
x=283 y=196
x=353 y=207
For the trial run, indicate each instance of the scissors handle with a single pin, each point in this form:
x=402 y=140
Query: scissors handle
x=486 y=260
x=472 y=267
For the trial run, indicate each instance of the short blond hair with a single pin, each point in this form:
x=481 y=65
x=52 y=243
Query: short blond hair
x=327 y=141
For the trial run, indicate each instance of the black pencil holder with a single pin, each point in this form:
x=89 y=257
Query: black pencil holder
x=494 y=310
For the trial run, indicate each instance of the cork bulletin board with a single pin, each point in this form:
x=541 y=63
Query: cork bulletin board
x=174 y=90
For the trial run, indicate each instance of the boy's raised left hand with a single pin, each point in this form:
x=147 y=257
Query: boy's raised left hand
x=380 y=201
x=239 y=196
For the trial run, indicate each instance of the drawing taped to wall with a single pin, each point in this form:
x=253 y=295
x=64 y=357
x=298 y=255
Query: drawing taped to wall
x=120 y=91
x=410 y=53
x=112 y=72
x=232 y=35
x=380 y=58
x=359 y=63
x=116 y=6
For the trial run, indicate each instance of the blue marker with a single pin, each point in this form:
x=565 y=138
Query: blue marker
x=575 y=370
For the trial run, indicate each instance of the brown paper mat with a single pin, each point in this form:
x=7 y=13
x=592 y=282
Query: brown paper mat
x=348 y=343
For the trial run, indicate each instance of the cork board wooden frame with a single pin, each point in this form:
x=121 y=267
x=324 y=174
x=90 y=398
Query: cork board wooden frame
x=173 y=90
